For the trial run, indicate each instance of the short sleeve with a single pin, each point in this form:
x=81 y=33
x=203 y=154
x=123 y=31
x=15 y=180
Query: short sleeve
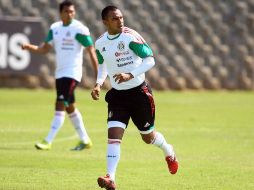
x=84 y=40
x=99 y=57
x=84 y=30
x=137 y=44
x=49 y=37
x=141 y=50
x=83 y=36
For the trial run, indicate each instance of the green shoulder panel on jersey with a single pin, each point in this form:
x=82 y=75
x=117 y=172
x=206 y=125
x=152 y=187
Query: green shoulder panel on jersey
x=99 y=57
x=84 y=40
x=49 y=37
x=142 y=50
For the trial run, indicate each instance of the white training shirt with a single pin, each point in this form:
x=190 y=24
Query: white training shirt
x=123 y=53
x=68 y=42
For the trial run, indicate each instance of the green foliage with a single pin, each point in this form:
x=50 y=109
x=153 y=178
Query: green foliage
x=212 y=133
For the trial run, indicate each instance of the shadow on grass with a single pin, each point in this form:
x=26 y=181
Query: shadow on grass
x=16 y=148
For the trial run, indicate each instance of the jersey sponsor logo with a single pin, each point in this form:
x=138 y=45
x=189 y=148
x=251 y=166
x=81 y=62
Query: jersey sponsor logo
x=67 y=44
x=118 y=54
x=124 y=59
x=68 y=41
x=124 y=64
x=121 y=46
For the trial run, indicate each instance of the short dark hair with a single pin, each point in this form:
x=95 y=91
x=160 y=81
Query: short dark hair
x=65 y=3
x=106 y=10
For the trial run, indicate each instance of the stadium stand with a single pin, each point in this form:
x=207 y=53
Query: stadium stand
x=197 y=44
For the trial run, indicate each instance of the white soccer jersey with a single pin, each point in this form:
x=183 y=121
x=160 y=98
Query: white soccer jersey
x=121 y=54
x=68 y=42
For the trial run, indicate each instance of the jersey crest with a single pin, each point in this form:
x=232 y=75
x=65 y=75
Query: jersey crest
x=121 y=46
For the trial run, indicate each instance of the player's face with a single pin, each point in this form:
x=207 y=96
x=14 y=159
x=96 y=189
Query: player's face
x=67 y=14
x=114 y=22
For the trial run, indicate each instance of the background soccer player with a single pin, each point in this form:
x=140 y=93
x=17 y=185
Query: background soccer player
x=124 y=56
x=69 y=37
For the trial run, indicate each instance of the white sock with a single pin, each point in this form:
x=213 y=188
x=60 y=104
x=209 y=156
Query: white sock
x=77 y=121
x=113 y=156
x=160 y=142
x=56 y=124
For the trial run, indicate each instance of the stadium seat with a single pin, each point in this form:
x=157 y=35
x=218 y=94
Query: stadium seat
x=190 y=39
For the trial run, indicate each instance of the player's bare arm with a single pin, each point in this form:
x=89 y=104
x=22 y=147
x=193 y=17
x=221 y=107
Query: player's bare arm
x=96 y=92
x=93 y=58
x=122 y=77
x=42 y=49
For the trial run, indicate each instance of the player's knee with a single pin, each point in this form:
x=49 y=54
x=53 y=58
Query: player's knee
x=59 y=106
x=70 y=108
x=147 y=139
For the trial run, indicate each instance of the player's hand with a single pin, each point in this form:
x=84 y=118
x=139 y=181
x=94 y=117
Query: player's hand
x=24 y=46
x=122 y=77
x=96 y=92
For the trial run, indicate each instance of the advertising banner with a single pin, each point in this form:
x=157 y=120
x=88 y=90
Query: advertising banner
x=15 y=31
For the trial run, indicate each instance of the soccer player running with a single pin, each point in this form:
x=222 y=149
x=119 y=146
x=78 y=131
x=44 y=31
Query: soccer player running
x=68 y=37
x=124 y=56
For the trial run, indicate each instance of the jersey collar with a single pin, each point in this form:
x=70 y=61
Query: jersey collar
x=68 y=23
x=112 y=37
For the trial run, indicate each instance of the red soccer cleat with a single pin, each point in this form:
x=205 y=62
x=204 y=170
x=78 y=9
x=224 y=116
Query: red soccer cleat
x=106 y=182
x=172 y=164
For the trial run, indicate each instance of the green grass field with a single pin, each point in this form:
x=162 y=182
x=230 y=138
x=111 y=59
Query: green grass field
x=212 y=133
